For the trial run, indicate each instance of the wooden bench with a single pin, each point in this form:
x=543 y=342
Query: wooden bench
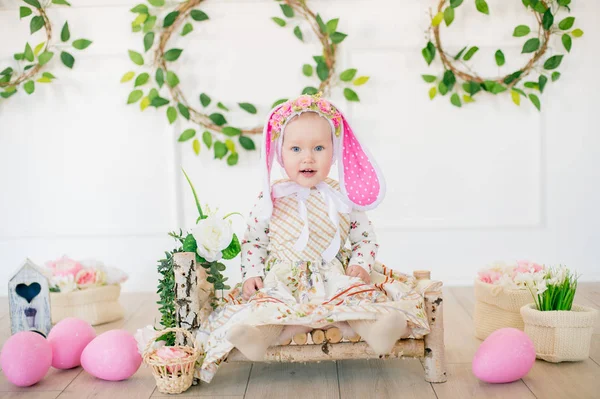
x=192 y=301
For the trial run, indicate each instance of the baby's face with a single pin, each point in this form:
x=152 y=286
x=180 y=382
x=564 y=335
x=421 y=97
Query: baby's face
x=307 y=149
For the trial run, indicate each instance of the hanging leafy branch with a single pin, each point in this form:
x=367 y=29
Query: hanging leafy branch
x=157 y=85
x=33 y=60
x=456 y=80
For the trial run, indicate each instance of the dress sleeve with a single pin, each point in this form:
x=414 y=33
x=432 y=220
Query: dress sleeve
x=363 y=241
x=254 y=245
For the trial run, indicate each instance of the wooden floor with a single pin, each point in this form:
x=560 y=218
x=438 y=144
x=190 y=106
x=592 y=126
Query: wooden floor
x=344 y=379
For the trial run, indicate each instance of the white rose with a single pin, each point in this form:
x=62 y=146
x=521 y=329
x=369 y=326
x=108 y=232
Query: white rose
x=64 y=283
x=212 y=236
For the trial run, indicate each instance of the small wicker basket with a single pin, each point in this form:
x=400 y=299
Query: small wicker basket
x=172 y=375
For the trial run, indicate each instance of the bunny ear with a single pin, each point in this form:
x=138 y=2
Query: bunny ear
x=360 y=177
x=268 y=152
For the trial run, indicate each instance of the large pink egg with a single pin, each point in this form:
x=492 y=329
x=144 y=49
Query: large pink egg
x=112 y=356
x=26 y=358
x=68 y=340
x=506 y=355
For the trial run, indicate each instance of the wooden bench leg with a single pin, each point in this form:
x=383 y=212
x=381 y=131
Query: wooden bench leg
x=435 y=359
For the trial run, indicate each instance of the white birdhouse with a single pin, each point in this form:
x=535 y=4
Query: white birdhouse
x=29 y=300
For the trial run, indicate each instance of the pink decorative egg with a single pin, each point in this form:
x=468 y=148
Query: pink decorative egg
x=112 y=356
x=68 y=340
x=26 y=358
x=506 y=355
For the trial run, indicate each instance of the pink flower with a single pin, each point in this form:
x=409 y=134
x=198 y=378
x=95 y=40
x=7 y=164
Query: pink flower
x=89 y=277
x=489 y=276
x=275 y=122
x=485 y=277
x=168 y=353
x=337 y=119
x=324 y=106
x=524 y=266
x=64 y=267
x=304 y=101
x=286 y=109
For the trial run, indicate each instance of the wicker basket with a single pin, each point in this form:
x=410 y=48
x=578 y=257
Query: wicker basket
x=172 y=375
x=560 y=336
x=496 y=307
x=96 y=305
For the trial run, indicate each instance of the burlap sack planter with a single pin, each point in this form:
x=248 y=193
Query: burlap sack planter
x=497 y=307
x=96 y=305
x=560 y=336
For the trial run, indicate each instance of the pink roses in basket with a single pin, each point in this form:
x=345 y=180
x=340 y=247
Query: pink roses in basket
x=509 y=276
x=66 y=274
x=168 y=353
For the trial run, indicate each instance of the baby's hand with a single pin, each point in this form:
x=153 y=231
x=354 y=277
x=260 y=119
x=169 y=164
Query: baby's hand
x=250 y=286
x=357 y=271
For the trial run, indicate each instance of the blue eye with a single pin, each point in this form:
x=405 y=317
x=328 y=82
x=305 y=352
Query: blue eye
x=319 y=148
x=296 y=149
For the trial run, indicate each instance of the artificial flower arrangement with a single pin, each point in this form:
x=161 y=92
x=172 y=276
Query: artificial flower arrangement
x=510 y=276
x=552 y=288
x=86 y=289
x=500 y=292
x=67 y=275
x=560 y=330
x=173 y=366
x=212 y=239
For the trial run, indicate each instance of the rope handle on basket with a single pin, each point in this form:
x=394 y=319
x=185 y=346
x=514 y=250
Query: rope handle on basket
x=167 y=330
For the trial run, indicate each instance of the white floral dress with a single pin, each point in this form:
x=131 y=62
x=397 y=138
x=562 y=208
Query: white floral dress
x=303 y=289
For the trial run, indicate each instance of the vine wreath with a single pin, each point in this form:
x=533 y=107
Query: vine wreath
x=32 y=61
x=454 y=78
x=217 y=132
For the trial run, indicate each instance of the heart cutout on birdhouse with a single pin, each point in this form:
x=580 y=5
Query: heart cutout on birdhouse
x=28 y=291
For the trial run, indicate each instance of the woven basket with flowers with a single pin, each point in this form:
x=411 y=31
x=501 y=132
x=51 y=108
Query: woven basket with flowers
x=172 y=366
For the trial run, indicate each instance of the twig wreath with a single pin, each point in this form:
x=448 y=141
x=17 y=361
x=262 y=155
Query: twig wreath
x=217 y=132
x=454 y=78
x=35 y=59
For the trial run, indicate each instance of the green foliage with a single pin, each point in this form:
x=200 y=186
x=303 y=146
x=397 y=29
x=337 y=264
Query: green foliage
x=42 y=55
x=466 y=84
x=166 y=288
x=161 y=63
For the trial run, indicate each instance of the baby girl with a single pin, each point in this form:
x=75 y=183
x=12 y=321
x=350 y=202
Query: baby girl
x=293 y=250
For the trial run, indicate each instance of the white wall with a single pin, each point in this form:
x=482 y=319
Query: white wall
x=81 y=173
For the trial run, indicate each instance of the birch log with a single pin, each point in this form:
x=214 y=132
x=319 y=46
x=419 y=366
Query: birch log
x=339 y=351
x=435 y=358
x=192 y=293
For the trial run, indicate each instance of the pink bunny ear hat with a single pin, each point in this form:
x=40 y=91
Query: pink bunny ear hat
x=360 y=178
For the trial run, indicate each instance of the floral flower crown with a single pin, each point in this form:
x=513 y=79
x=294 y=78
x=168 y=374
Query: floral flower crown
x=304 y=103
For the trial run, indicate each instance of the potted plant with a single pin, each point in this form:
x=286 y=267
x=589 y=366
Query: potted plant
x=560 y=330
